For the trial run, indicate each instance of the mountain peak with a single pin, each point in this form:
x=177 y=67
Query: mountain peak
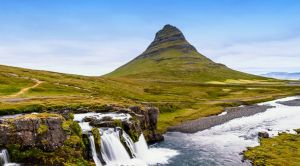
x=168 y=32
x=171 y=57
x=169 y=37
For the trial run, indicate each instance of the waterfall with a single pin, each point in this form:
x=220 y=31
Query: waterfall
x=141 y=147
x=94 y=153
x=152 y=156
x=112 y=149
x=129 y=143
x=4 y=157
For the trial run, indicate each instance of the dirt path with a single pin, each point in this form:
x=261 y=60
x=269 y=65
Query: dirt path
x=24 y=90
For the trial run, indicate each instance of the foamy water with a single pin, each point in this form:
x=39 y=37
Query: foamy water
x=222 y=145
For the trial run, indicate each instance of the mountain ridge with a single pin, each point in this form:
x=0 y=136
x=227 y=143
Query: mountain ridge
x=283 y=75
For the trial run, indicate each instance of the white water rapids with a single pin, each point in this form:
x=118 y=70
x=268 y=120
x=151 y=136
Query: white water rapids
x=221 y=145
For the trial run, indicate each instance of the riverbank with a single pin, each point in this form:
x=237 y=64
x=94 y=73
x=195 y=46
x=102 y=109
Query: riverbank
x=280 y=150
x=211 y=121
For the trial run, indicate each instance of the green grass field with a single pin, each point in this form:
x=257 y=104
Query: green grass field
x=178 y=100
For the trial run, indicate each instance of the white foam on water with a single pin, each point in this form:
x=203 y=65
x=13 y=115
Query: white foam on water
x=231 y=138
x=153 y=155
x=121 y=116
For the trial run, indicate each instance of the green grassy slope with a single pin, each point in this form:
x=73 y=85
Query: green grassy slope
x=178 y=101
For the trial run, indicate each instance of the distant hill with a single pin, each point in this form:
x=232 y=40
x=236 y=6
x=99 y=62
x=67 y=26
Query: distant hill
x=171 y=57
x=283 y=75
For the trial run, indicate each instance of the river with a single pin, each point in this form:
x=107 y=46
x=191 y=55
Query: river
x=222 y=145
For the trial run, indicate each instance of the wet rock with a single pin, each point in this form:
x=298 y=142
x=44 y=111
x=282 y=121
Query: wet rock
x=263 y=134
x=107 y=118
x=100 y=123
x=132 y=128
x=88 y=119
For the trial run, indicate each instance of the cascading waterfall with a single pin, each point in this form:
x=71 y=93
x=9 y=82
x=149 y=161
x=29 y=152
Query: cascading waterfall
x=114 y=152
x=111 y=147
x=141 y=147
x=4 y=157
x=94 y=153
x=129 y=144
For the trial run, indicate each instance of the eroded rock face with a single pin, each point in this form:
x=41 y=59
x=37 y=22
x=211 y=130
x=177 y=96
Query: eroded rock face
x=148 y=121
x=44 y=133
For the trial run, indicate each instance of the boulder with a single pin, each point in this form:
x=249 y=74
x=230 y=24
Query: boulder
x=263 y=134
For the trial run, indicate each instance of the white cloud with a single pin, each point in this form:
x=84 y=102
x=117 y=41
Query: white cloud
x=79 y=57
x=259 y=57
x=101 y=57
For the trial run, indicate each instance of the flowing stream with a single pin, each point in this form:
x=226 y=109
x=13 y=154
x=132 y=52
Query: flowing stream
x=221 y=145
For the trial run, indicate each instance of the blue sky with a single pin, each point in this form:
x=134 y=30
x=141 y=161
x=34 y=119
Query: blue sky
x=95 y=37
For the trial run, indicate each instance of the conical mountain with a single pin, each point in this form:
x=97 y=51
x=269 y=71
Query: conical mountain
x=171 y=57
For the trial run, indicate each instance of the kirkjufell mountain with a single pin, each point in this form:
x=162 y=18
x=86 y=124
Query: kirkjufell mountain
x=171 y=57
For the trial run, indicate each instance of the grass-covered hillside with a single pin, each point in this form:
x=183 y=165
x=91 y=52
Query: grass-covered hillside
x=178 y=101
x=170 y=74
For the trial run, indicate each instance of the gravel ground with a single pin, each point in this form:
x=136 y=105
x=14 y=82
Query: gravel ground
x=211 y=121
x=295 y=102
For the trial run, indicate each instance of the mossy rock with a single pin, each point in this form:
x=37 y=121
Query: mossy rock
x=97 y=138
x=42 y=129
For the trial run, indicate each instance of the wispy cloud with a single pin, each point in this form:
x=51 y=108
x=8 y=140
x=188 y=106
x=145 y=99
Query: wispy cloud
x=79 y=57
x=276 y=54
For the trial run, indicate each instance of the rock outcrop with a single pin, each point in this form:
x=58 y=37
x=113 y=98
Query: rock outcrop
x=148 y=119
x=43 y=139
x=31 y=131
